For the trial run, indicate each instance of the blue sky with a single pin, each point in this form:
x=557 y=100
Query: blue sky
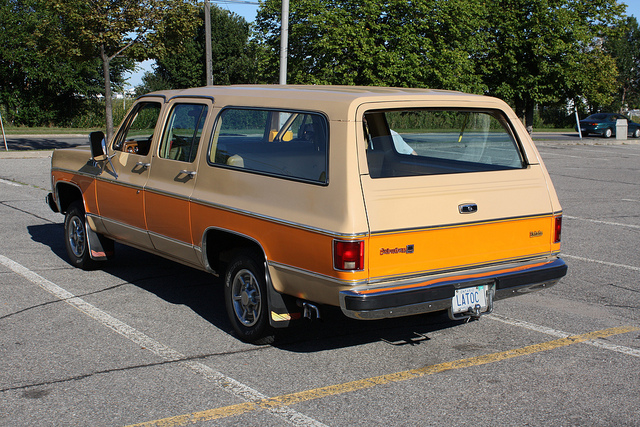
x=248 y=9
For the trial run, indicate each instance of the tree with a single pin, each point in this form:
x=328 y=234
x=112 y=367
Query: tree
x=423 y=43
x=232 y=52
x=625 y=48
x=540 y=50
x=111 y=29
x=37 y=86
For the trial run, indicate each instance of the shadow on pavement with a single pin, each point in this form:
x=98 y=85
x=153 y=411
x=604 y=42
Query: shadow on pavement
x=203 y=293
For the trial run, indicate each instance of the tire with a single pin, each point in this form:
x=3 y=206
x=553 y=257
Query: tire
x=245 y=295
x=607 y=133
x=75 y=237
x=636 y=133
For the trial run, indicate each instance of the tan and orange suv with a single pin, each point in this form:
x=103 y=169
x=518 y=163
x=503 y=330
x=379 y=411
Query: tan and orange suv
x=383 y=201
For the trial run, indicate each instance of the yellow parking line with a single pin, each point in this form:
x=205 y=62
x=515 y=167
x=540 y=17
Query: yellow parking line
x=333 y=390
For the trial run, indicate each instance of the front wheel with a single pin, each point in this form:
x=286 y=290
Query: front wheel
x=636 y=133
x=75 y=237
x=245 y=295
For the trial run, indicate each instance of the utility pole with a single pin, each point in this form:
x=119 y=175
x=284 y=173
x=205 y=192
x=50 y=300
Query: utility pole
x=207 y=43
x=284 y=42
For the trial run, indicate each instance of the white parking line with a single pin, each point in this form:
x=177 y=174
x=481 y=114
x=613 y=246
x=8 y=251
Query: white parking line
x=609 y=264
x=617 y=224
x=224 y=382
x=6 y=181
x=561 y=334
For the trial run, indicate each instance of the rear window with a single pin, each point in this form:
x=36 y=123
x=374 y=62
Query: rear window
x=432 y=142
x=287 y=144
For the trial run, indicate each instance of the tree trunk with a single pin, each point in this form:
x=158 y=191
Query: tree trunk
x=107 y=92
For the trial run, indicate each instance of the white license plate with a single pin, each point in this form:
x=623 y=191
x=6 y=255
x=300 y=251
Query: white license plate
x=467 y=298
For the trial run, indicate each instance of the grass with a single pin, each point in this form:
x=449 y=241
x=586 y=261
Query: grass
x=21 y=130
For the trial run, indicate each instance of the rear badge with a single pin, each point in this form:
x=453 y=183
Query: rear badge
x=535 y=233
x=389 y=251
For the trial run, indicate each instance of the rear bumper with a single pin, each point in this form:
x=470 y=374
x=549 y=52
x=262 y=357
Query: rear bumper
x=408 y=297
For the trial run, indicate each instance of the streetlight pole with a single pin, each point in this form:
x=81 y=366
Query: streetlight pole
x=207 y=43
x=284 y=42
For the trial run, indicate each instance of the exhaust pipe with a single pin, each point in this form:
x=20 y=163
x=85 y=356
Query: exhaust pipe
x=311 y=311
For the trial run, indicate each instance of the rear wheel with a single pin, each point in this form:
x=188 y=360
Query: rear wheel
x=75 y=237
x=245 y=295
x=607 y=133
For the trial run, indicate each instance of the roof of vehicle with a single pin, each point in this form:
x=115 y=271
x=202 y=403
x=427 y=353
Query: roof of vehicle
x=310 y=92
x=338 y=100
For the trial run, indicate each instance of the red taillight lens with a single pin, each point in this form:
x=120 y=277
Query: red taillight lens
x=348 y=255
x=557 y=229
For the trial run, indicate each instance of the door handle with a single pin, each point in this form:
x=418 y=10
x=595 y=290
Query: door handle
x=190 y=173
x=143 y=164
x=468 y=208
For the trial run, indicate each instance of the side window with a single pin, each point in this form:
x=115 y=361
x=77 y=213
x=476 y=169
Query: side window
x=136 y=132
x=183 y=131
x=287 y=144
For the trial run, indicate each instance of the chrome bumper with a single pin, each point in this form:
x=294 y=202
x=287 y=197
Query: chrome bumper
x=406 y=298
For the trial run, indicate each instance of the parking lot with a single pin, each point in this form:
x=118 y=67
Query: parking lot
x=145 y=341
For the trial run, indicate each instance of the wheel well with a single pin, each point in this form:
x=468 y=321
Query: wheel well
x=67 y=194
x=220 y=246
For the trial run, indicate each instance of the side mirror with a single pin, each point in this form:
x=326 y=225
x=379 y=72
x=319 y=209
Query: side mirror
x=98 y=145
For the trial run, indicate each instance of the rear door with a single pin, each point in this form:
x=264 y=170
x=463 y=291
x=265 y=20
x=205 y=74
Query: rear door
x=451 y=189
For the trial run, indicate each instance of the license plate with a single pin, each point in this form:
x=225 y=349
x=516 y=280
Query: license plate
x=467 y=298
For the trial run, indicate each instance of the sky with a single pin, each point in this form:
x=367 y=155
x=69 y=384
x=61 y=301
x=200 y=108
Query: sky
x=248 y=9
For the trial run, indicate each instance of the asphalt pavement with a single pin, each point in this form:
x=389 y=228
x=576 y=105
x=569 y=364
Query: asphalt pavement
x=145 y=341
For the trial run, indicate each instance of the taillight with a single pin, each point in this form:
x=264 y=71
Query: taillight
x=348 y=255
x=557 y=229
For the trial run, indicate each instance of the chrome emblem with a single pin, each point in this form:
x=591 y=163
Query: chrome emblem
x=536 y=233
x=389 y=251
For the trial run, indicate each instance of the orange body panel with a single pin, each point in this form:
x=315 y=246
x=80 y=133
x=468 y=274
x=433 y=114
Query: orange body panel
x=457 y=247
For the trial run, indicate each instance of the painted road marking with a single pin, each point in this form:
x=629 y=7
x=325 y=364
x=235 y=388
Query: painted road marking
x=224 y=382
x=616 y=224
x=610 y=264
x=337 y=389
x=556 y=333
x=6 y=181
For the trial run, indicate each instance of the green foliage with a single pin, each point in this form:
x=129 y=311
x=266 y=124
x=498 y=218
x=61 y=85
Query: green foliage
x=112 y=29
x=424 y=43
x=39 y=87
x=182 y=63
x=625 y=48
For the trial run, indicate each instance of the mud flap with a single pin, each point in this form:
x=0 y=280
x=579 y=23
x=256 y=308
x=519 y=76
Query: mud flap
x=282 y=308
x=100 y=248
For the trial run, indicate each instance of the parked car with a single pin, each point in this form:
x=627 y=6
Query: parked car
x=605 y=124
x=305 y=196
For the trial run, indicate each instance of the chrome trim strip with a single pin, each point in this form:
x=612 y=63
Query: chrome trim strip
x=171 y=239
x=118 y=223
x=167 y=193
x=463 y=224
x=280 y=221
x=461 y=268
x=316 y=275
